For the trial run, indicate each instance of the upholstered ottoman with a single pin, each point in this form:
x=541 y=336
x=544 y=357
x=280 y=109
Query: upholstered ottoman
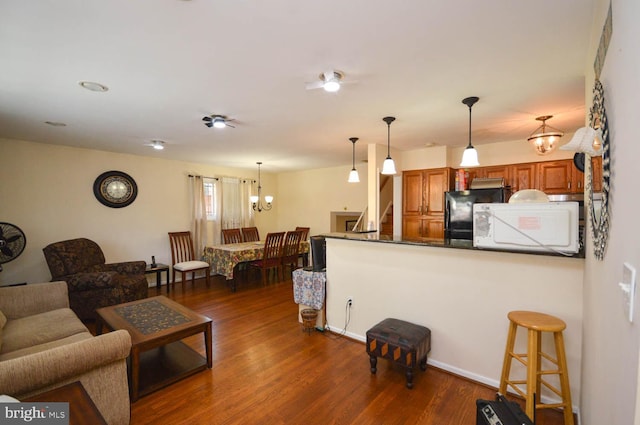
x=402 y=342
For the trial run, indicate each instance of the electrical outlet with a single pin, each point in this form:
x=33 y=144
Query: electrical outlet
x=628 y=287
x=350 y=301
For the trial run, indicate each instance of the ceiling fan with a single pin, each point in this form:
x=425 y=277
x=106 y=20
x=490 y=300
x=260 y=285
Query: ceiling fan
x=330 y=81
x=217 y=121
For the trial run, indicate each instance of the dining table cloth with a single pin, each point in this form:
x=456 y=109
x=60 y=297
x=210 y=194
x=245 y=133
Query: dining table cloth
x=224 y=258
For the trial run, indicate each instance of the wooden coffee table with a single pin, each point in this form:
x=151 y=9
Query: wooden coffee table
x=82 y=410
x=157 y=325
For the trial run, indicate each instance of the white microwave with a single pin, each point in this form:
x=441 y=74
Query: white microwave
x=548 y=226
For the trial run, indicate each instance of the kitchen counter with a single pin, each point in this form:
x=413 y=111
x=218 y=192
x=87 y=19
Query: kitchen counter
x=438 y=243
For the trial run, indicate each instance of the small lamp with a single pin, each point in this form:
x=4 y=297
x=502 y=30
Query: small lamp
x=470 y=155
x=388 y=166
x=353 y=175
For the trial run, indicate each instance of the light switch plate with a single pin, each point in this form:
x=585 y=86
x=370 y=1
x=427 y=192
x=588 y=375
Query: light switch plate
x=628 y=287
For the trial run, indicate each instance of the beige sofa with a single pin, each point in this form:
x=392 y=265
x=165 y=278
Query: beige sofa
x=43 y=345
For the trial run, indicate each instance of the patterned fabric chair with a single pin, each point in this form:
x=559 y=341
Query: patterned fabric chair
x=92 y=283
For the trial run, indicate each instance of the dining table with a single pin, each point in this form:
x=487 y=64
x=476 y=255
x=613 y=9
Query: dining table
x=224 y=258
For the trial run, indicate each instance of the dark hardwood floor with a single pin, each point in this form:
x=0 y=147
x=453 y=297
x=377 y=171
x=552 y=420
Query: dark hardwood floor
x=266 y=370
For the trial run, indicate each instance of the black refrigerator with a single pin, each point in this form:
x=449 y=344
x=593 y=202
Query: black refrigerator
x=458 y=213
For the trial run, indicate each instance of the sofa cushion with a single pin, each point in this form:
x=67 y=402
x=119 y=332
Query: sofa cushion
x=44 y=347
x=3 y=321
x=40 y=329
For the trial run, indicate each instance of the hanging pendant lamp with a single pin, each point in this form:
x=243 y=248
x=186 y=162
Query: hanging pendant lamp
x=353 y=175
x=256 y=201
x=388 y=167
x=470 y=155
x=545 y=138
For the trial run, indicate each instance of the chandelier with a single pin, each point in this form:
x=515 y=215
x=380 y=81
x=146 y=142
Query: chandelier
x=256 y=202
x=545 y=138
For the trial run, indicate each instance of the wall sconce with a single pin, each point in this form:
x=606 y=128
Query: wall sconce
x=470 y=155
x=256 y=203
x=545 y=138
x=388 y=167
x=353 y=175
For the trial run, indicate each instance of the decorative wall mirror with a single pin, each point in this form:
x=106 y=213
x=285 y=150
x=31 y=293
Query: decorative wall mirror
x=599 y=217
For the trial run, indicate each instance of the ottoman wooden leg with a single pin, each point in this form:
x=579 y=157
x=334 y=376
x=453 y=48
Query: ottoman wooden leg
x=423 y=364
x=374 y=361
x=409 y=375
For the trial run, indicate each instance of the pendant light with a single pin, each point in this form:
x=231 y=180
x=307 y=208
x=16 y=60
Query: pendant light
x=256 y=202
x=388 y=167
x=545 y=138
x=353 y=175
x=470 y=155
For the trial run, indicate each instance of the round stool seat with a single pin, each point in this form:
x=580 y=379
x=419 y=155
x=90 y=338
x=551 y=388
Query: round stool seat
x=537 y=321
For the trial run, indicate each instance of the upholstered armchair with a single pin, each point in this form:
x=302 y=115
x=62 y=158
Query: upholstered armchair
x=93 y=283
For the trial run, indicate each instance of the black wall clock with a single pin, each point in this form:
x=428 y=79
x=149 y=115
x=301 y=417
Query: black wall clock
x=115 y=189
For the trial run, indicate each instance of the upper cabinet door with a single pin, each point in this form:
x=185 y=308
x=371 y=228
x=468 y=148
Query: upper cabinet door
x=523 y=176
x=412 y=192
x=556 y=177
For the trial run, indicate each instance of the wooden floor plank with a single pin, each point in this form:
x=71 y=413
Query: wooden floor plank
x=266 y=370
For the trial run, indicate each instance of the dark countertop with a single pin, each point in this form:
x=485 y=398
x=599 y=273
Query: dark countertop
x=437 y=243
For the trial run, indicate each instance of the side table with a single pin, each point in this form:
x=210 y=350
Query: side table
x=82 y=410
x=158 y=269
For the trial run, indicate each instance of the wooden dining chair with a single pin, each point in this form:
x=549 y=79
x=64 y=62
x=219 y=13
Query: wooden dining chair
x=304 y=237
x=305 y=232
x=272 y=255
x=250 y=234
x=231 y=236
x=290 y=250
x=183 y=258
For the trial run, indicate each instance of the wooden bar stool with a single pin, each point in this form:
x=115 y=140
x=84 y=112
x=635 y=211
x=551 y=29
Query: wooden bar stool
x=536 y=323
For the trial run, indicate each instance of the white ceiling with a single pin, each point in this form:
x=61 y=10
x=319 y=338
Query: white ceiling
x=168 y=63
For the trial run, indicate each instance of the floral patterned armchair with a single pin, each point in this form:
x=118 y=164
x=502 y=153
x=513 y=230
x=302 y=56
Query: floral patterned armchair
x=92 y=283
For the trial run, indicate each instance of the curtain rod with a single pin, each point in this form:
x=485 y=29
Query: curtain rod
x=218 y=178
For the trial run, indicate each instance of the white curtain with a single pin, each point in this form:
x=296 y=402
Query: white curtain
x=214 y=217
x=198 y=215
x=236 y=207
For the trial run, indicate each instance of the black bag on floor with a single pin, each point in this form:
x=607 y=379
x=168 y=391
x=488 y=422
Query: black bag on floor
x=500 y=412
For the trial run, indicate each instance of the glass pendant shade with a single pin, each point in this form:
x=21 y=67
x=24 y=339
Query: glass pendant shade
x=353 y=176
x=545 y=138
x=470 y=157
x=388 y=167
x=470 y=154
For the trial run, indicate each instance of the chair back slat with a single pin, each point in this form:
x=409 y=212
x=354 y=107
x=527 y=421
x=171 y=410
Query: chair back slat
x=181 y=247
x=231 y=236
x=250 y=234
x=305 y=232
x=273 y=248
x=292 y=244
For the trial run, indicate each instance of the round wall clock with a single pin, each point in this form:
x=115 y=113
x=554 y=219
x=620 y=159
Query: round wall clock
x=115 y=189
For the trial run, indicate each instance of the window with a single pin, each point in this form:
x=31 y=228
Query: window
x=210 y=196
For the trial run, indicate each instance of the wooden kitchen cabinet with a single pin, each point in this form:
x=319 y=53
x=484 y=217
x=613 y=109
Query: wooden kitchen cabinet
x=559 y=177
x=523 y=176
x=423 y=202
x=596 y=168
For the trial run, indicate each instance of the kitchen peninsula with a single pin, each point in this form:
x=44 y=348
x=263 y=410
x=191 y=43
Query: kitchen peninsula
x=462 y=294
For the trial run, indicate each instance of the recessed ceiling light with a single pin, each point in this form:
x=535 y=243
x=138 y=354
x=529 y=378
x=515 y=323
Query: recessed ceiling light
x=89 y=85
x=55 y=123
x=429 y=144
x=157 y=144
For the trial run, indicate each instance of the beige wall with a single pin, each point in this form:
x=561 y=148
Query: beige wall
x=463 y=296
x=47 y=191
x=611 y=343
x=307 y=198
